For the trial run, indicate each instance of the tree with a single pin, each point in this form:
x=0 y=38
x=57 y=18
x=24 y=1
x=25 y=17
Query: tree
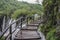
x=50 y=16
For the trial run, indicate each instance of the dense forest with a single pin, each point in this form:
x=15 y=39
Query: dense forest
x=15 y=9
x=51 y=26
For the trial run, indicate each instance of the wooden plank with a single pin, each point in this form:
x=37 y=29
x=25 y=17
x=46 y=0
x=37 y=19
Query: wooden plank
x=27 y=35
x=29 y=28
x=33 y=24
x=36 y=22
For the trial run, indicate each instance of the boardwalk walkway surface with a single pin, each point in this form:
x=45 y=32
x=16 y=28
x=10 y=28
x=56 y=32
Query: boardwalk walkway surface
x=23 y=30
x=30 y=32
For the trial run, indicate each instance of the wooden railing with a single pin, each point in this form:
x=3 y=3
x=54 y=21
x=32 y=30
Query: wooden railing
x=19 y=21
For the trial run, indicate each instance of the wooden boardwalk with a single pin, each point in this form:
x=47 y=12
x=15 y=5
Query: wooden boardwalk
x=29 y=32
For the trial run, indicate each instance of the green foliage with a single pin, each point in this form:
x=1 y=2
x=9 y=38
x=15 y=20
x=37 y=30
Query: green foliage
x=27 y=9
x=6 y=6
x=51 y=35
x=51 y=15
x=19 y=13
x=45 y=28
x=2 y=38
x=9 y=7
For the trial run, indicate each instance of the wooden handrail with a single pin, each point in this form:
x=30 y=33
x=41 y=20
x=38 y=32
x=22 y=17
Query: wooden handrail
x=10 y=28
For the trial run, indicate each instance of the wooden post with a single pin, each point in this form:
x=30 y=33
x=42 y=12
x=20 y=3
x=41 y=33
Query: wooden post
x=27 y=20
x=33 y=18
x=10 y=32
x=21 y=27
x=21 y=23
x=3 y=26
